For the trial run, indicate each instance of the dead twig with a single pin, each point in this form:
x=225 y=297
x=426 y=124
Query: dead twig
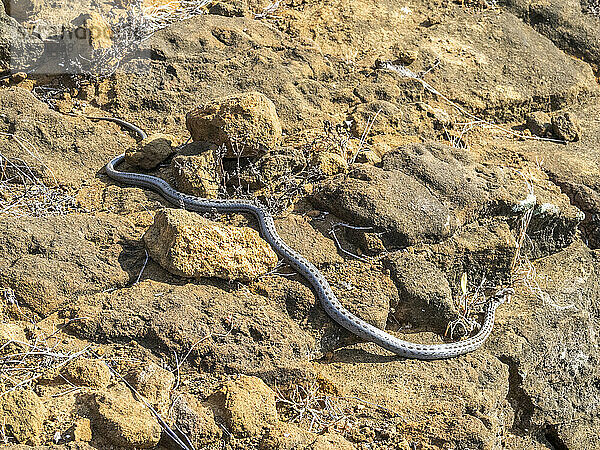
x=522 y=269
x=332 y=231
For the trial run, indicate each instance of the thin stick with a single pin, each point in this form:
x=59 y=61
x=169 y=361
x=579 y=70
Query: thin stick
x=143 y=267
x=339 y=245
x=364 y=135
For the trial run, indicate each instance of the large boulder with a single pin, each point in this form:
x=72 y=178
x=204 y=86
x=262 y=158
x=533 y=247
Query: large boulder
x=423 y=193
x=247 y=124
x=69 y=151
x=61 y=257
x=21 y=10
x=546 y=339
x=248 y=333
x=198 y=174
x=87 y=372
x=386 y=200
x=425 y=296
x=189 y=245
x=212 y=56
x=154 y=383
x=493 y=76
x=572 y=24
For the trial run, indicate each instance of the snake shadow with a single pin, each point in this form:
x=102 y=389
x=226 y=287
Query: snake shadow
x=133 y=258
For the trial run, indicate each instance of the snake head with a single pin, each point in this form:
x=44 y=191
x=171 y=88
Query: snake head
x=503 y=295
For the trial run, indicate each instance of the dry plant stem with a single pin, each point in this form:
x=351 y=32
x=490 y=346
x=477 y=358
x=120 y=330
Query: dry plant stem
x=67 y=359
x=363 y=137
x=388 y=65
x=465 y=304
x=458 y=141
x=522 y=269
x=139 y=277
x=375 y=405
x=291 y=187
x=10 y=298
x=332 y=231
x=3 y=435
x=307 y=405
x=21 y=368
x=317 y=411
x=31 y=153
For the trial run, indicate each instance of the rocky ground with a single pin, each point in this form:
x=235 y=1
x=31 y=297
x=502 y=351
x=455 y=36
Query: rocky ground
x=421 y=154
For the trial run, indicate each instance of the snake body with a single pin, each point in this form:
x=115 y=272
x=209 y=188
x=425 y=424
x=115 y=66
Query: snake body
x=328 y=299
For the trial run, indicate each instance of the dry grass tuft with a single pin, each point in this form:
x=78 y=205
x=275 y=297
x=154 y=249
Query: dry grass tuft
x=274 y=195
x=161 y=15
x=23 y=363
x=334 y=138
x=467 y=304
x=523 y=271
x=317 y=411
x=310 y=408
x=23 y=193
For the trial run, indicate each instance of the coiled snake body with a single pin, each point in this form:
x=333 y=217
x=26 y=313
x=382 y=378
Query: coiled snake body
x=324 y=292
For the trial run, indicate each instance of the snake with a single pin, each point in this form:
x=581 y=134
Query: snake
x=309 y=271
